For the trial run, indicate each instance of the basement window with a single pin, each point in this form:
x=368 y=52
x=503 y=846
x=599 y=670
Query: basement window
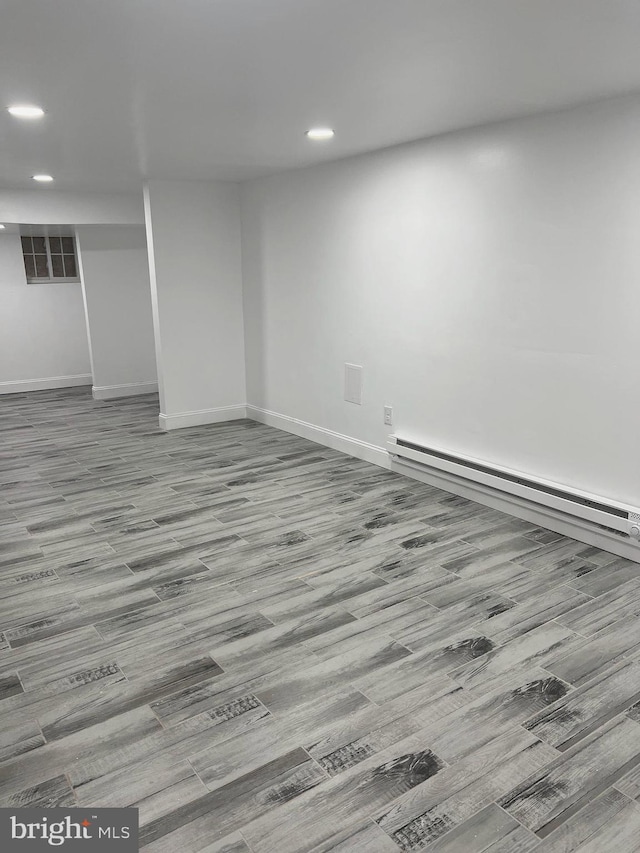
x=49 y=259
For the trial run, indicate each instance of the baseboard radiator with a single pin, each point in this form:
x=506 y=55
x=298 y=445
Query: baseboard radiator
x=618 y=518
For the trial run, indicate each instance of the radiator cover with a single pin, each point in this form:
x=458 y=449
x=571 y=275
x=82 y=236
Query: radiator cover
x=621 y=518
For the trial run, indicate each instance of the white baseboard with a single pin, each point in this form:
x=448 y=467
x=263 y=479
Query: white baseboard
x=204 y=416
x=511 y=505
x=335 y=440
x=521 y=508
x=22 y=385
x=130 y=389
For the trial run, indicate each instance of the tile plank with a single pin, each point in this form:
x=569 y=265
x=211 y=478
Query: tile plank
x=549 y=797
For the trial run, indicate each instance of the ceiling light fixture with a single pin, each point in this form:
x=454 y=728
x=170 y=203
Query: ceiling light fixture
x=1 y=226
x=44 y=179
x=320 y=133
x=25 y=111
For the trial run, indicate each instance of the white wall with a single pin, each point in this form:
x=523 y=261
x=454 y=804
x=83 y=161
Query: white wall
x=43 y=333
x=115 y=278
x=47 y=206
x=43 y=337
x=193 y=235
x=487 y=281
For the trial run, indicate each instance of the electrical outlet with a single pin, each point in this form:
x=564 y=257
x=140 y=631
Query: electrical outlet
x=388 y=415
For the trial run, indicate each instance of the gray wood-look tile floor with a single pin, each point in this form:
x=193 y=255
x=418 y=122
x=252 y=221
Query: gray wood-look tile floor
x=265 y=645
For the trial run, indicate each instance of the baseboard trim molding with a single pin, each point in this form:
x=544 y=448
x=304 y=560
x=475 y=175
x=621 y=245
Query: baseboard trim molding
x=22 y=385
x=129 y=389
x=203 y=416
x=520 y=508
x=509 y=504
x=328 y=438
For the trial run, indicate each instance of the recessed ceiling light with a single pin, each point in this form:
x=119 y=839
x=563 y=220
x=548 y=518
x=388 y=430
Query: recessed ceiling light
x=45 y=179
x=1 y=226
x=320 y=133
x=25 y=111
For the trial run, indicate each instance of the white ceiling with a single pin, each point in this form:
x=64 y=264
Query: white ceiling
x=226 y=88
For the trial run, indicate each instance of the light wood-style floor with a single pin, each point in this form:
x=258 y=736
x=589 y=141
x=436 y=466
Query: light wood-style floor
x=267 y=646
